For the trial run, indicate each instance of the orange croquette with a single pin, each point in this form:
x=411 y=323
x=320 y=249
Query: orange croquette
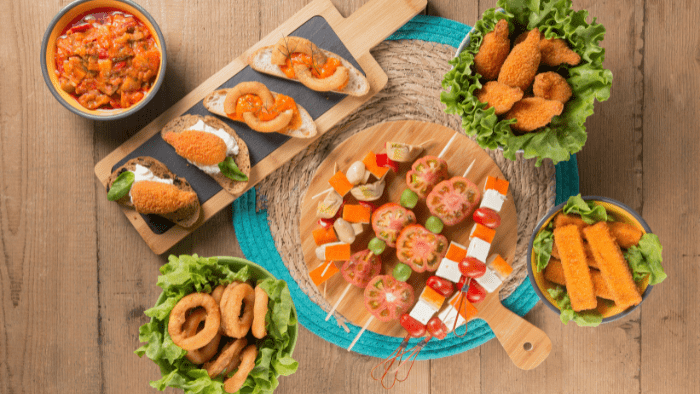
x=198 y=146
x=521 y=65
x=551 y=86
x=499 y=96
x=626 y=234
x=159 y=198
x=493 y=51
x=576 y=272
x=533 y=113
x=554 y=52
x=612 y=265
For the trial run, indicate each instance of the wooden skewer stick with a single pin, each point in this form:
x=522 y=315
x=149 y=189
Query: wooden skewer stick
x=447 y=146
x=359 y=334
x=469 y=169
x=321 y=193
x=345 y=292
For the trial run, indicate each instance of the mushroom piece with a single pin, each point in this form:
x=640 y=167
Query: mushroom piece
x=344 y=231
x=356 y=172
x=369 y=192
x=401 y=152
x=328 y=207
x=359 y=228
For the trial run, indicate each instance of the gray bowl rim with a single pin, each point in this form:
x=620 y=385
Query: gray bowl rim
x=130 y=111
x=555 y=210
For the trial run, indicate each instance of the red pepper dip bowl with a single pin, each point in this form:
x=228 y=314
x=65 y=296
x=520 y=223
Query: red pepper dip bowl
x=103 y=59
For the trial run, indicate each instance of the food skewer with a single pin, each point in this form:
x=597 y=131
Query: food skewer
x=358 y=271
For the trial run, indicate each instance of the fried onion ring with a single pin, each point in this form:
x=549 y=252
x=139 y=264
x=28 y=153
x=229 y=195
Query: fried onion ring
x=192 y=322
x=268 y=126
x=259 y=312
x=178 y=317
x=217 y=293
x=235 y=382
x=228 y=354
x=333 y=82
x=288 y=45
x=237 y=325
x=244 y=88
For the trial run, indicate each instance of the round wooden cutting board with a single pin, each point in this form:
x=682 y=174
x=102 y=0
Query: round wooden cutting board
x=434 y=138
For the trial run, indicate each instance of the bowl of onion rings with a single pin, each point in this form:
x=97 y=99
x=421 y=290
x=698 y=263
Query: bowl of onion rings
x=221 y=325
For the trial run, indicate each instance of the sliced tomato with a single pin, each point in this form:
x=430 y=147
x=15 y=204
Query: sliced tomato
x=453 y=200
x=425 y=173
x=361 y=267
x=421 y=249
x=487 y=217
x=387 y=298
x=388 y=221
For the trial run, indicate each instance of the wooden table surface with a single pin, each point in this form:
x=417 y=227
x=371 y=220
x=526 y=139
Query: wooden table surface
x=75 y=277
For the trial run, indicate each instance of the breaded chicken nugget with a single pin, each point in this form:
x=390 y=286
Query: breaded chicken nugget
x=499 y=96
x=533 y=112
x=555 y=52
x=493 y=51
x=551 y=86
x=520 y=66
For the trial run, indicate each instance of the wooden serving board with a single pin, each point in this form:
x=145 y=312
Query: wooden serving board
x=354 y=35
x=511 y=330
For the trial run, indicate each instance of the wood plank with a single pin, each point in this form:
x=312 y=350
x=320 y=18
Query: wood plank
x=48 y=291
x=670 y=343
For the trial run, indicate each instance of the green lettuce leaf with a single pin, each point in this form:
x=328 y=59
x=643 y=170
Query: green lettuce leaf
x=645 y=259
x=185 y=274
x=591 y=318
x=542 y=245
x=589 y=81
x=230 y=170
x=589 y=211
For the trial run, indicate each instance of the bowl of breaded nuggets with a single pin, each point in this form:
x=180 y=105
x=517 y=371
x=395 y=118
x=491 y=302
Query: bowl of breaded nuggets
x=593 y=260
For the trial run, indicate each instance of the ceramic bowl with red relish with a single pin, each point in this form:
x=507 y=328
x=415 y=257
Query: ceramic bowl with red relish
x=103 y=59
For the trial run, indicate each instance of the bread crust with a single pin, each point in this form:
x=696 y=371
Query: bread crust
x=185 y=217
x=242 y=159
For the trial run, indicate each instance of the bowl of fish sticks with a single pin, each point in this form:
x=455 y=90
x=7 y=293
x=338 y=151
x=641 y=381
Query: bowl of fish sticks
x=593 y=260
x=526 y=78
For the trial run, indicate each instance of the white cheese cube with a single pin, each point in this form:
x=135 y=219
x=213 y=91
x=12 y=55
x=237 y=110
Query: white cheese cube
x=479 y=249
x=493 y=200
x=423 y=311
x=490 y=281
x=449 y=270
x=448 y=316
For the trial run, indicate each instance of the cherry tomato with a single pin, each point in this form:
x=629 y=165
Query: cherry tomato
x=487 y=217
x=369 y=205
x=326 y=223
x=476 y=293
x=472 y=267
x=437 y=328
x=443 y=286
x=412 y=326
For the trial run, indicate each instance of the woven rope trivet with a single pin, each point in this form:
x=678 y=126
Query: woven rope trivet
x=415 y=69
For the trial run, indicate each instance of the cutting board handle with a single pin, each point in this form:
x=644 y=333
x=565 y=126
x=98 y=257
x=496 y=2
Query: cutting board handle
x=375 y=21
x=525 y=344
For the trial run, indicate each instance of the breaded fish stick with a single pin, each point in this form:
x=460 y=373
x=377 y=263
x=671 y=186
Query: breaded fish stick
x=555 y=274
x=612 y=265
x=589 y=255
x=626 y=234
x=563 y=219
x=573 y=260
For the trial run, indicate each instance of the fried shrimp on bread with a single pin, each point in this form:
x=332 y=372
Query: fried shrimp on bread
x=299 y=59
x=206 y=141
x=499 y=96
x=262 y=110
x=156 y=190
x=493 y=51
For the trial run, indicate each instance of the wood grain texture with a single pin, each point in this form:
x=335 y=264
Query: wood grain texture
x=74 y=278
x=459 y=156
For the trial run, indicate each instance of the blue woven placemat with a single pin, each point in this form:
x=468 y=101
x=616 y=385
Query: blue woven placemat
x=258 y=245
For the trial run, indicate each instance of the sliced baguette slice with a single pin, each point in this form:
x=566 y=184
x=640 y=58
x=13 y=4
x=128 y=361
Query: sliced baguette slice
x=260 y=61
x=242 y=159
x=214 y=103
x=184 y=217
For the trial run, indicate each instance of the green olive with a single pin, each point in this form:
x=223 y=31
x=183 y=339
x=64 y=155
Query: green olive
x=434 y=224
x=402 y=272
x=376 y=246
x=409 y=199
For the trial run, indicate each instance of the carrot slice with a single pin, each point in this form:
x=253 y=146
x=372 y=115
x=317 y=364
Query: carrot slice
x=323 y=272
x=356 y=213
x=338 y=252
x=324 y=235
x=370 y=162
x=432 y=297
x=340 y=183
x=482 y=232
x=468 y=311
x=456 y=252
x=497 y=184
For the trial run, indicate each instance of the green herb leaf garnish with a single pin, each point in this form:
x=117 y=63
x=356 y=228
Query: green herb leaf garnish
x=121 y=186
x=591 y=318
x=230 y=170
